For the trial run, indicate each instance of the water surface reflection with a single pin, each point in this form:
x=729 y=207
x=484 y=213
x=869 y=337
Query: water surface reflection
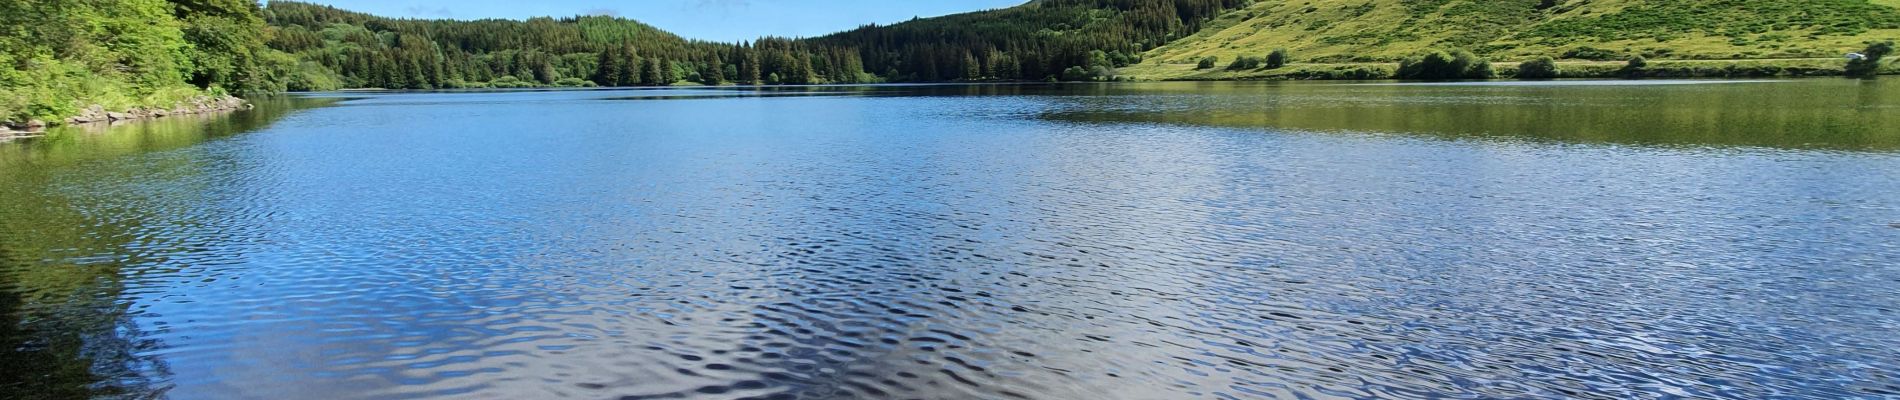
x=1020 y=241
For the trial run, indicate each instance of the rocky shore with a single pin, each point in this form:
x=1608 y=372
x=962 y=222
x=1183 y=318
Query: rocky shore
x=98 y=114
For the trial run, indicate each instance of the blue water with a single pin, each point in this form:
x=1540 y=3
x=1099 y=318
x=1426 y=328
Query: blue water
x=1082 y=242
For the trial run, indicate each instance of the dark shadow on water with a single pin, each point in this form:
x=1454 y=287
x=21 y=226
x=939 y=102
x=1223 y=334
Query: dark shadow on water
x=1807 y=114
x=734 y=95
x=80 y=143
x=66 y=332
x=1803 y=114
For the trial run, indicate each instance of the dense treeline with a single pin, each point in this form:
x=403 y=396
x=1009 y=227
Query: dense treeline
x=362 y=50
x=57 y=56
x=1040 y=40
x=1050 y=39
x=64 y=55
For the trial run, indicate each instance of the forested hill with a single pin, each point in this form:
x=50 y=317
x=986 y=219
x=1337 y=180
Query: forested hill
x=1045 y=39
x=58 y=56
x=62 y=56
x=363 y=51
x=1387 y=30
x=1074 y=39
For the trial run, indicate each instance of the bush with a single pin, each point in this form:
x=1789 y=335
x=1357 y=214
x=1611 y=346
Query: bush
x=1458 y=64
x=1246 y=63
x=1635 y=68
x=309 y=76
x=1075 y=74
x=509 y=81
x=1590 y=53
x=574 y=82
x=1869 y=65
x=1340 y=73
x=1278 y=58
x=1207 y=63
x=1538 y=68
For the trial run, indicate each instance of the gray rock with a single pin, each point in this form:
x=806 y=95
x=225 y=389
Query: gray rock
x=94 y=113
x=195 y=105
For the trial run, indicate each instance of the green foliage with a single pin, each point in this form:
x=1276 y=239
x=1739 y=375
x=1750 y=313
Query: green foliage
x=1075 y=74
x=1591 y=53
x=1636 y=67
x=1666 y=19
x=1278 y=58
x=1084 y=74
x=371 y=51
x=58 y=56
x=227 y=46
x=1042 y=38
x=1347 y=31
x=1246 y=63
x=1869 y=64
x=574 y=82
x=510 y=82
x=1538 y=68
x=1458 y=64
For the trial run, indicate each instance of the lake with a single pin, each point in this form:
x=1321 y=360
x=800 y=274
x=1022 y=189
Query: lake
x=1612 y=240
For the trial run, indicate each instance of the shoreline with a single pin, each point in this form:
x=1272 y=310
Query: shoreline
x=96 y=114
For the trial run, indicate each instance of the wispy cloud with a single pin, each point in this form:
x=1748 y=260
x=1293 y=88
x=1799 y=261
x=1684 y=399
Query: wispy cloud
x=420 y=11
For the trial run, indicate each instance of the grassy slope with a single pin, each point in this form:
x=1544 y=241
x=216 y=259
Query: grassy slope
x=1331 y=32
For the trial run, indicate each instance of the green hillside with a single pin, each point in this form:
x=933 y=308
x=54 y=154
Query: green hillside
x=1360 y=31
x=60 y=56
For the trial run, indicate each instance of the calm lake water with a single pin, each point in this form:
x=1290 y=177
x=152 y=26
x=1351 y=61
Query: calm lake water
x=1139 y=241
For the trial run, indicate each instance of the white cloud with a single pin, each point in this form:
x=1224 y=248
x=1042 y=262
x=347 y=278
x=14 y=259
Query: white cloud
x=421 y=11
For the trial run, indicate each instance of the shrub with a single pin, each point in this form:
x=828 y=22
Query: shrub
x=1869 y=64
x=1538 y=68
x=1278 y=58
x=1590 y=53
x=509 y=81
x=1635 y=68
x=1075 y=74
x=1246 y=63
x=1207 y=62
x=574 y=82
x=1458 y=64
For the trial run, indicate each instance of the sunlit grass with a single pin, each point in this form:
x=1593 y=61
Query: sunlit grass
x=1360 y=31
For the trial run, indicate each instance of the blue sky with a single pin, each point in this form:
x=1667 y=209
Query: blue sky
x=721 y=20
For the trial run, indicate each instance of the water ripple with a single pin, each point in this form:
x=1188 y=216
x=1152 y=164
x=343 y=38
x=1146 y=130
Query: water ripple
x=941 y=247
